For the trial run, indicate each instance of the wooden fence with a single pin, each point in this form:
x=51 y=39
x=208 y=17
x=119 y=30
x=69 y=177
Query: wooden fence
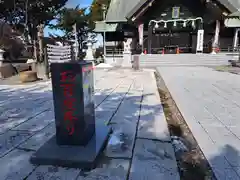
x=60 y=54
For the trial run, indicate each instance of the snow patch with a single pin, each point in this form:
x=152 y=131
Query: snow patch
x=104 y=65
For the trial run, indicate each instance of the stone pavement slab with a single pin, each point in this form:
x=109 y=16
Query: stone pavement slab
x=125 y=120
x=16 y=116
x=105 y=88
x=37 y=140
x=37 y=123
x=11 y=140
x=51 y=172
x=27 y=122
x=153 y=160
x=152 y=115
x=209 y=102
x=116 y=169
x=15 y=165
x=109 y=107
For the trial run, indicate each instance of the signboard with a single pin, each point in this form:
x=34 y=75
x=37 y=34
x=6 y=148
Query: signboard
x=200 y=39
x=140 y=32
x=175 y=12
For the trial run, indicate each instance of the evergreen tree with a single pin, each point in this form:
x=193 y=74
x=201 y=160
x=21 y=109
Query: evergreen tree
x=30 y=13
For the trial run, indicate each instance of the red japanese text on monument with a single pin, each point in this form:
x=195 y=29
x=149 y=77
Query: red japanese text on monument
x=67 y=78
x=67 y=89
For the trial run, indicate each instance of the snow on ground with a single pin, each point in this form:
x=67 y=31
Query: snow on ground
x=104 y=65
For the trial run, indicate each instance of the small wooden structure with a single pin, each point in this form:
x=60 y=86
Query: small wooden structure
x=28 y=76
x=55 y=53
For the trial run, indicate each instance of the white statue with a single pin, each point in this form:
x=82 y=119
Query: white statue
x=89 y=52
x=127 y=45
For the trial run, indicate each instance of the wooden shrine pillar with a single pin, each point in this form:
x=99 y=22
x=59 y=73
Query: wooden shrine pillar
x=140 y=35
x=215 y=44
x=235 y=39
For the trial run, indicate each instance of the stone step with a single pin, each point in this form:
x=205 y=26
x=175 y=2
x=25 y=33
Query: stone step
x=203 y=62
x=184 y=62
x=188 y=58
x=159 y=61
x=155 y=65
x=174 y=60
x=188 y=61
x=194 y=61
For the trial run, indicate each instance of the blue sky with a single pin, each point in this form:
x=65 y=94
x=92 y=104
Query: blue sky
x=74 y=3
x=70 y=4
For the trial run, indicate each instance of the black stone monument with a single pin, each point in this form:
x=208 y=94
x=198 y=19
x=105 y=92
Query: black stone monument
x=78 y=140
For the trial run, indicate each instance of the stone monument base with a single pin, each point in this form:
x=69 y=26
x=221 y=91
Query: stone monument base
x=73 y=156
x=127 y=59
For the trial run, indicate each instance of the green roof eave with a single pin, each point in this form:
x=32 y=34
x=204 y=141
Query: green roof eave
x=119 y=9
x=231 y=5
x=136 y=8
x=139 y=6
x=235 y=14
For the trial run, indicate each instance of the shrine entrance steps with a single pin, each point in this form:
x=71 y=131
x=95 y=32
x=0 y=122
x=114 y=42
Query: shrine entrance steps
x=153 y=60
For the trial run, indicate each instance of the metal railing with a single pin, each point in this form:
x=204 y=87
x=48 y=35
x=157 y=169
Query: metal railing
x=181 y=49
x=167 y=50
x=171 y=50
x=233 y=49
x=114 y=52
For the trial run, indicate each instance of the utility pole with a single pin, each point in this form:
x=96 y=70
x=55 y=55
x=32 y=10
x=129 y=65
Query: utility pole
x=104 y=32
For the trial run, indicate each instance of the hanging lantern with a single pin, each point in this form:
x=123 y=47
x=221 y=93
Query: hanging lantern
x=184 y=23
x=175 y=23
x=156 y=25
x=165 y=24
x=193 y=23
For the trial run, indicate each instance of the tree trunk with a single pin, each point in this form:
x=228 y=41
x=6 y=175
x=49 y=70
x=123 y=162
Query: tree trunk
x=35 y=42
x=28 y=35
x=40 y=41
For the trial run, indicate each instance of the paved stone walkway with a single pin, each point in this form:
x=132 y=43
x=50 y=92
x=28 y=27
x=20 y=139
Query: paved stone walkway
x=126 y=100
x=210 y=103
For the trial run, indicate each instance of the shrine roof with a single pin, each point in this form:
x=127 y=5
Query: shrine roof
x=121 y=10
x=232 y=5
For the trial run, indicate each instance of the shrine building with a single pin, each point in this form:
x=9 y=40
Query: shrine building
x=171 y=26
